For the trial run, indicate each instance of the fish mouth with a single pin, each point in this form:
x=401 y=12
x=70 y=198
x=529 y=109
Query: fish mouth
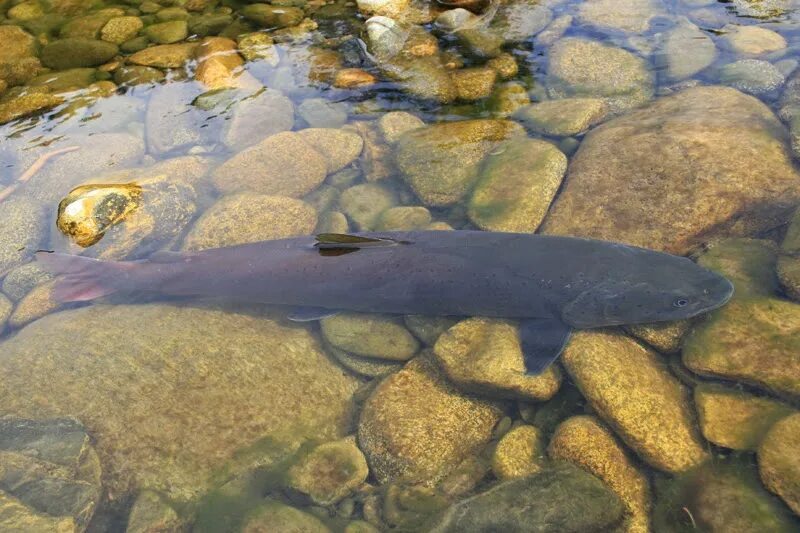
x=718 y=294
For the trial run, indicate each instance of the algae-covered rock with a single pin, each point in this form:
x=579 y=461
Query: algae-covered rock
x=26 y=105
x=404 y=218
x=406 y=507
x=329 y=472
x=689 y=195
x=15 y=516
x=788 y=266
x=136 y=75
x=164 y=55
x=120 y=29
x=484 y=356
x=282 y=164
x=778 y=461
x=275 y=516
x=339 y=147
x=364 y=203
x=113 y=380
x=733 y=418
x=474 y=83
x=273 y=17
x=428 y=328
x=719 y=496
x=666 y=337
x=34 y=305
x=579 y=67
x=394 y=124
x=752 y=40
x=559 y=499
x=519 y=453
x=247 y=217
x=219 y=66
x=23 y=226
x=589 y=444
x=564 y=117
x=258 y=46
x=417 y=427
x=377 y=336
x=150 y=513
x=631 y=388
x=521 y=20
x=441 y=162
x=755 y=338
x=371 y=367
x=422 y=77
x=516 y=185
x=74 y=53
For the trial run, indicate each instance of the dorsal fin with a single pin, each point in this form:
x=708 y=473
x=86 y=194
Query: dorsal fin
x=342 y=243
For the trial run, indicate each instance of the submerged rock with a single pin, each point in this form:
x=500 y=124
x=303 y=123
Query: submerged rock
x=404 y=218
x=364 y=203
x=778 y=462
x=417 y=427
x=788 y=266
x=19 y=281
x=74 y=53
x=247 y=125
x=632 y=16
x=752 y=40
x=519 y=453
x=561 y=498
x=275 y=516
x=689 y=196
x=247 y=217
x=377 y=336
x=634 y=392
x=113 y=380
x=483 y=356
x=164 y=56
x=589 y=444
x=687 y=50
x=520 y=20
x=666 y=337
x=564 y=117
x=329 y=472
x=89 y=210
x=339 y=147
x=150 y=513
x=172 y=122
x=120 y=29
x=23 y=227
x=752 y=76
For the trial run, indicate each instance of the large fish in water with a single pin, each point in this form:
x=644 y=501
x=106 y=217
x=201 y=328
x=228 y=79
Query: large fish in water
x=550 y=284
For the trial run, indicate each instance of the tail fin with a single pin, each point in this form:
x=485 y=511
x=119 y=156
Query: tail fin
x=81 y=279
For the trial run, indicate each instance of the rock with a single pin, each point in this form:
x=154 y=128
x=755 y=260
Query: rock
x=788 y=267
x=666 y=337
x=26 y=105
x=360 y=526
x=258 y=47
x=353 y=78
x=246 y=125
x=626 y=383
x=558 y=499
x=734 y=419
x=386 y=36
x=366 y=335
x=416 y=427
x=364 y=366
x=631 y=16
x=428 y=328
x=172 y=123
x=388 y=8
x=752 y=76
x=474 y=83
x=453 y=19
x=407 y=506
x=23 y=227
x=150 y=513
x=508 y=99
x=516 y=185
x=246 y=217
x=89 y=26
x=34 y=305
x=88 y=211
x=364 y=203
x=505 y=65
x=332 y=222
x=590 y=445
x=6 y=306
x=678 y=204
x=404 y=218
x=339 y=147
x=282 y=164
x=480 y=43
x=329 y=472
x=687 y=50
x=321 y=113
x=519 y=453
x=219 y=66
x=394 y=124
x=137 y=75
x=441 y=162
x=422 y=77
x=778 y=463
x=120 y=29
x=265 y=364
x=720 y=496
x=580 y=67
x=483 y=356
x=272 y=17
x=17 y=44
x=74 y=53
x=15 y=516
x=172 y=13
x=752 y=40
x=753 y=338
x=554 y=31
x=165 y=55
x=275 y=516
x=19 y=281
x=519 y=21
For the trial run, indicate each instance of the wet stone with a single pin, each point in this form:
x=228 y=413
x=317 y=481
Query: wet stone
x=788 y=267
x=508 y=98
x=247 y=124
x=273 y=17
x=88 y=211
x=321 y=113
x=370 y=367
x=23 y=227
x=150 y=513
x=339 y=147
x=6 y=306
x=275 y=516
x=376 y=336
x=428 y=328
x=34 y=305
x=474 y=83
x=752 y=40
x=736 y=419
x=394 y=124
x=258 y=47
x=247 y=217
x=120 y=29
x=404 y=218
x=778 y=461
x=332 y=222
x=626 y=383
x=363 y=204
x=417 y=427
x=19 y=281
x=519 y=21
x=519 y=453
x=483 y=356
x=687 y=50
x=752 y=76
x=589 y=444
x=73 y=53
x=632 y=16
x=329 y=472
x=137 y=75
x=479 y=43
x=666 y=337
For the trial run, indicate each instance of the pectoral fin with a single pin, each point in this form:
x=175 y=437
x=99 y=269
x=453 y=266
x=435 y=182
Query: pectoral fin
x=542 y=340
x=310 y=314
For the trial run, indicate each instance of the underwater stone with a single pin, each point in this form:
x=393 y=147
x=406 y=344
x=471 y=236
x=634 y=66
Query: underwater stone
x=258 y=47
x=273 y=17
x=779 y=463
x=788 y=267
x=6 y=306
x=508 y=98
x=164 y=55
x=479 y=43
x=34 y=305
x=120 y=29
x=394 y=124
x=364 y=203
x=505 y=65
x=474 y=83
x=564 y=117
x=627 y=383
x=368 y=335
x=483 y=356
x=370 y=367
x=246 y=217
x=735 y=419
x=27 y=104
x=89 y=210
x=353 y=78
x=403 y=218
x=74 y=53
x=752 y=40
x=246 y=125
x=428 y=328
x=167 y=32
x=589 y=444
x=521 y=20
x=23 y=228
x=692 y=196
x=519 y=453
x=339 y=147
x=15 y=516
x=516 y=185
x=631 y=16
x=417 y=427
x=322 y=113
x=19 y=281
x=752 y=76
x=687 y=50
x=219 y=66
x=560 y=498
x=666 y=337
x=150 y=514
x=137 y=75
x=275 y=516
x=329 y=472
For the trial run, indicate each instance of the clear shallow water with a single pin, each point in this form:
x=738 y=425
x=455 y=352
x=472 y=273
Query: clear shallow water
x=137 y=413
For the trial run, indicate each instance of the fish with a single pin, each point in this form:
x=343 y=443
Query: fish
x=551 y=284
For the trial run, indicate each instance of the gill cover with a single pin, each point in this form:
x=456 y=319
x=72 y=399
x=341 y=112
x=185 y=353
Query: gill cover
x=606 y=304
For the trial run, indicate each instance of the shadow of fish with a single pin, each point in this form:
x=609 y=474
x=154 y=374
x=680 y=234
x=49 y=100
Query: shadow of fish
x=551 y=284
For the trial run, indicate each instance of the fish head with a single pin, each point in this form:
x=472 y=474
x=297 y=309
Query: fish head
x=650 y=295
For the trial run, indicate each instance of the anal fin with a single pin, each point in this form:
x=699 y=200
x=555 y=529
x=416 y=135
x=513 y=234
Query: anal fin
x=310 y=314
x=542 y=341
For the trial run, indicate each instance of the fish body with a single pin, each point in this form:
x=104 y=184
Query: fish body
x=554 y=283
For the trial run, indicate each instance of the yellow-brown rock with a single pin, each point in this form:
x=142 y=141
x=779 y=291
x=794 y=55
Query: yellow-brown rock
x=377 y=336
x=505 y=65
x=779 y=462
x=218 y=63
x=483 y=356
x=631 y=388
x=34 y=305
x=666 y=337
x=519 y=453
x=89 y=211
x=591 y=445
x=164 y=55
x=474 y=83
x=353 y=78
x=329 y=472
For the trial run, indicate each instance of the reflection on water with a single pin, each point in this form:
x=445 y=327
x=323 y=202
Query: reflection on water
x=177 y=125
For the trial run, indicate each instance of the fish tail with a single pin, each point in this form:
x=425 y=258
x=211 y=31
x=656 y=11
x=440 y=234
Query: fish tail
x=81 y=279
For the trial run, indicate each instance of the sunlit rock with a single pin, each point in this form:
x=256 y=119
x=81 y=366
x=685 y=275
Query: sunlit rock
x=329 y=472
x=377 y=336
x=519 y=453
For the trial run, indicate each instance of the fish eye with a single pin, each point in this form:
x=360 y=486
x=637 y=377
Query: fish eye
x=680 y=302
